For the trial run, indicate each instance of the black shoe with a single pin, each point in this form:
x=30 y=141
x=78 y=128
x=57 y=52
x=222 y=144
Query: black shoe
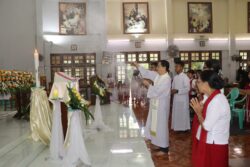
x=165 y=150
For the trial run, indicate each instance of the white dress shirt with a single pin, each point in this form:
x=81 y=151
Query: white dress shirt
x=217 y=121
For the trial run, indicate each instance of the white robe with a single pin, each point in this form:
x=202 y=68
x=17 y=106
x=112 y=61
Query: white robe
x=160 y=92
x=180 y=110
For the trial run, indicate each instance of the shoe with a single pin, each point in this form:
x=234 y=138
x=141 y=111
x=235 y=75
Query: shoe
x=165 y=150
x=160 y=153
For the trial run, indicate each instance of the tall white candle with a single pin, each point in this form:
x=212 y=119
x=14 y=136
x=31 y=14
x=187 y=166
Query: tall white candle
x=36 y=59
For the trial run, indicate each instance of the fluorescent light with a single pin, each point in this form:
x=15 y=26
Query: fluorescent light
x=136 y=35
x=184 y=39
x=155 y=40
x=121 y=151
x=243 y=39
x=118 y=40
x=56 y=39
x=218 y=39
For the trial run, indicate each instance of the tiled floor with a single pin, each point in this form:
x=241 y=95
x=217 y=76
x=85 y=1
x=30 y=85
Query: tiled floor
x=180 y=146
x=11 y=129
x=17 y=150
x=20 y=151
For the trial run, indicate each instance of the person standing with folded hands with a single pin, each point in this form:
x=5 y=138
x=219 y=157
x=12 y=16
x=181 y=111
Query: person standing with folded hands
x=211 y=125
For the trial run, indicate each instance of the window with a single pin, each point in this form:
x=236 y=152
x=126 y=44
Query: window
x=245 y=59
x=216 y=55
x=121 y=72
x=76 y=65
x=205 y=56
x=195 y=59
x=120 y=58
x=184 y=56
x=79 y=72
x=67 y=59
x=154 y=56
x=68 y=70
x=186 y=67
x=78 y=59
x=90 y=72
x=143 y=58
x=90 y=59
x=243 y=55
x=195 y=56
x=55 y=60
x=131 y=57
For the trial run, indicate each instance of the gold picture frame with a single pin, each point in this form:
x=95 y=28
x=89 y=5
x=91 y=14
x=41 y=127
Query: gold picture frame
x=200 y=18
x=72 y=18
x=135 y=18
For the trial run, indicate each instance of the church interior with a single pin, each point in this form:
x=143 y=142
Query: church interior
x=72 y=92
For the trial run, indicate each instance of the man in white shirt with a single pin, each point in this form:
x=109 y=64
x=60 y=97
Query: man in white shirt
x=180 y=91
x=156 y=128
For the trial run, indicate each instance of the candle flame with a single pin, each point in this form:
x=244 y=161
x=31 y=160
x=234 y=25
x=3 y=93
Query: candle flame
x=55 y=93
x=36 y=52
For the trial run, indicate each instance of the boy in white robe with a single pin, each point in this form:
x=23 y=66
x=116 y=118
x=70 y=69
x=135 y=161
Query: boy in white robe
x=159 y=94
x=180 y=91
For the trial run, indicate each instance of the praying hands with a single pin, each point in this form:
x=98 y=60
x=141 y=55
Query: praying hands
x=198 y=107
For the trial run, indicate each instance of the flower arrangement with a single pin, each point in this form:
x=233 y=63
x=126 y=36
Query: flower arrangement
x=11 y=80
x=98 y=87
x=98 y=90
x=76 y=102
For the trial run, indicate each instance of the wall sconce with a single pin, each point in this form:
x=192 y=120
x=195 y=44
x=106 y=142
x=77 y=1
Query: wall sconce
x=137 y=44
x=202 y=43
x=73 y=47
x=183 y=39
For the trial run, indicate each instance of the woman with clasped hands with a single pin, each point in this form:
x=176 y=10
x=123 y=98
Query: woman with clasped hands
x=210 y=131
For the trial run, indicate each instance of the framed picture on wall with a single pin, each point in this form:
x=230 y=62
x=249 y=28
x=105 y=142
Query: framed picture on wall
x=135 y=18
x=72 y=18
x=248 y=16
x=200 y=18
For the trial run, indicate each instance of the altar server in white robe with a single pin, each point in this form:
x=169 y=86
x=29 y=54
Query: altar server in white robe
x=159 y=94
x=180 y=91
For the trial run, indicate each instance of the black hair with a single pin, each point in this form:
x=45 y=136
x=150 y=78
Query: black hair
x=136 y=73
x=214 y=65
x=155 y=63
x=243 y=79
x=197 y=73
x=164 y=63
x=213 y=79
x=191 y=72
x=177 y=59
x=180 y=63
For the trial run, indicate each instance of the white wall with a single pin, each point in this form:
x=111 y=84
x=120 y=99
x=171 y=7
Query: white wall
x=180 y=18
x=179 y=28
x=241 y=15
x=17 y=34
x=94 y=41
x=115 y=16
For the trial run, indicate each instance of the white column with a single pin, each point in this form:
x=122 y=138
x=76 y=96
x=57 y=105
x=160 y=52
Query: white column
x=169 y=21
x=231 y=38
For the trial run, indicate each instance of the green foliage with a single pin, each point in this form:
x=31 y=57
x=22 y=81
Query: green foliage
x=76 y=102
